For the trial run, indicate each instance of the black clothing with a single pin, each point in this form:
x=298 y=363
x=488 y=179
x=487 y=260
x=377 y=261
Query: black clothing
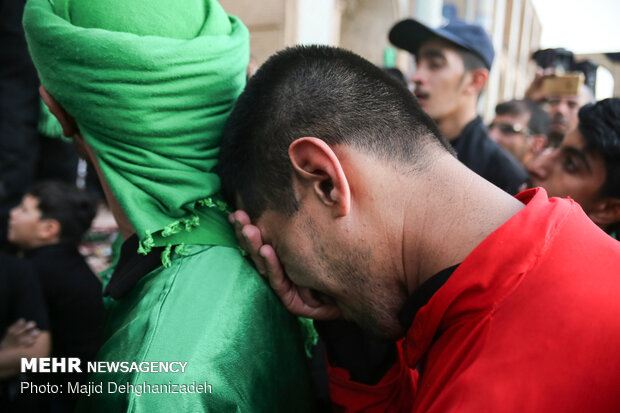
x=486 y=158
x=74 y=299
x=422 y=295
x=20 y=297
x=75 y=305
x=367 y=358
x=19 y=111
x=20 y=294
x=131 y=267
x=26 y=156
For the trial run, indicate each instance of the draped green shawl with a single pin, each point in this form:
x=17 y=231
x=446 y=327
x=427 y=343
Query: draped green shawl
x=153 y=109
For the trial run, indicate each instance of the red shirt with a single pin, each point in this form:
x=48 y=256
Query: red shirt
x=529 y=322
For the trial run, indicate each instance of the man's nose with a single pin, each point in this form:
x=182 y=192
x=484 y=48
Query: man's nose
x=563 y=108
x=540 y=167
x=417 y=77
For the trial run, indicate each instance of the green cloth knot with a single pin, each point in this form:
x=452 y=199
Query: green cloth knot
x=151 y=99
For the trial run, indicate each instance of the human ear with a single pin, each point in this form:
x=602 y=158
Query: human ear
x=478 y=80
x=605 y=212
x=49 y=229
x=317 y=166
x=69 y=126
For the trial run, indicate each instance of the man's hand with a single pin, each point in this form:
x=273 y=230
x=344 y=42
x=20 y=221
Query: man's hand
x=298 y=300
x=534 y=91
x=21 y=334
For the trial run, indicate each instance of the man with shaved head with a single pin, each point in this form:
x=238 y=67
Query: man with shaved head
x=359 y=215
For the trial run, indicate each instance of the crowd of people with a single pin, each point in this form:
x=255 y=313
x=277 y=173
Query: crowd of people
x=413 y=258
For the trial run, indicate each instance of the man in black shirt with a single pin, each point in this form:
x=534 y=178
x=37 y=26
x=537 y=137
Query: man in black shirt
x=452 y=68
x=520 y=127
x=48 y=224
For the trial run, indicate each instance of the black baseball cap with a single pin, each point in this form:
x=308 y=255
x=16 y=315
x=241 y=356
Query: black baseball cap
x=410 y=34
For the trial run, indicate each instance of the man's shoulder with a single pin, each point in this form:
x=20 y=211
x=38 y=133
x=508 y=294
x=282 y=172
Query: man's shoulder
x=204 y=285
x=487 y=148
x=488 y=159
x=213 y=277
x=503 y=162
x=210 y=263
x=211 y=309
x=15 y=269
x=582 y=241
x=577 y=256
x=64 y=271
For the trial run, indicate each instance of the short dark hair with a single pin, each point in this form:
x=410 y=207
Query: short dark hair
x=539 y=119
x=599 y=123
x=324 y=92
x=396 y=74
x=471 y=61
x=74 y=209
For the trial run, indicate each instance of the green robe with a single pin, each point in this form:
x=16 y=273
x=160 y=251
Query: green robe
x=211 y=310
x=151 y=97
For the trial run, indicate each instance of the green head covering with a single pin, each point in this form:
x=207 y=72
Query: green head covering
x=164 y=18
x=150 y=84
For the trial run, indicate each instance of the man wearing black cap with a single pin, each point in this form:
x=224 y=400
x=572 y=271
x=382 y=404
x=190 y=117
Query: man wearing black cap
x=452 y=68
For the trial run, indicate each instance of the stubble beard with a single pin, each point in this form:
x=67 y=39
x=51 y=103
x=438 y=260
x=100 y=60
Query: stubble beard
x=371 y=301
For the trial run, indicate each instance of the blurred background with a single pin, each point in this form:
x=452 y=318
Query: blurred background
x=570 y=36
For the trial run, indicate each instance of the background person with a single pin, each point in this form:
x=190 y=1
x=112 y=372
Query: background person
x=48 y=225
x=452 y=68
x=520 y=127
x=563 y=110
x=586 y=166
x=562 y=107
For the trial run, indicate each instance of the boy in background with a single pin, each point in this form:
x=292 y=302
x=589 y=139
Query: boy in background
x=48 y=225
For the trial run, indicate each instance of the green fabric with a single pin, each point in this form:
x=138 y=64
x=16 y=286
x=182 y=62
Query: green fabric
x=152 y=104
x=106 y=275
x=48 y=124
x=167 y=18
x=226 y=323
x=311 y=336
x=152 y=107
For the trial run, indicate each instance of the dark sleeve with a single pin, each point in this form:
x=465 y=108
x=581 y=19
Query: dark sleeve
x=508 y=173
x=347 y=346
x=26 y=295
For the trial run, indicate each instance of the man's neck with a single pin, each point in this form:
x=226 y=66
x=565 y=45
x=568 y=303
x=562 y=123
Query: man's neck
x=124 y=226
x=452 y=125
x=460 y=210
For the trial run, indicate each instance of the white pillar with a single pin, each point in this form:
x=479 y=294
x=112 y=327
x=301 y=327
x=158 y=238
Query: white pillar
x=318 y=22
x=498 y=68
x=429 y=12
